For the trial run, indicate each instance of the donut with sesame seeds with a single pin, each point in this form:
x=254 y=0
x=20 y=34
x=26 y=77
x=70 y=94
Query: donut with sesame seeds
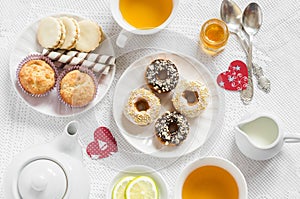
x=162 y=75
x=190 y=98
x=142 y=107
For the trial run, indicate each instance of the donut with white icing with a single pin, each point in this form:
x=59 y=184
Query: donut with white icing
x=142 y=107
x=190 y=98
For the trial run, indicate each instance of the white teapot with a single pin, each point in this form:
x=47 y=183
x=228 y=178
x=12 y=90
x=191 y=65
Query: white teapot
x=49 y=171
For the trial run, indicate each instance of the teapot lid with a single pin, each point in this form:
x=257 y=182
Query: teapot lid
x=42 y=179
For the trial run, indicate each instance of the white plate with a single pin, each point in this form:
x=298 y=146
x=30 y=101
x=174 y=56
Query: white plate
x=50 y=105
x=138 y=170
x=143 y=138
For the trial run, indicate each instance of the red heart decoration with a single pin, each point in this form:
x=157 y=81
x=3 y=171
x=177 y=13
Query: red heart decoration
x=104 y=144
x=236 y=78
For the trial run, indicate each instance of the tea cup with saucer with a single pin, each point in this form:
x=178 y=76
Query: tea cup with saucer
x=211 y=177
x=136 y=22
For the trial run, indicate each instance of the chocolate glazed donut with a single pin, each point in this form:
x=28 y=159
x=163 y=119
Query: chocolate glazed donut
x=172 y=128
x=162 y=75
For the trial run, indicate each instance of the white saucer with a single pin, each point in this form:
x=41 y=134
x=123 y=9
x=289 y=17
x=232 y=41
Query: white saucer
x=50 y=105
x=143 y=138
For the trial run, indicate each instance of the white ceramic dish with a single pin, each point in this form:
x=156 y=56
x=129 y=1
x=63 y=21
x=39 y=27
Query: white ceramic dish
x=213 y=161
x=143 y=138
x=50 y=105
x=138 y=170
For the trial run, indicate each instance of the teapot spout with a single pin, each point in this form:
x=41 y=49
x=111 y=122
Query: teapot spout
x=67 y=142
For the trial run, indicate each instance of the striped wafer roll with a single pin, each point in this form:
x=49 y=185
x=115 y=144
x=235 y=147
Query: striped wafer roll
x=103 y=59
x=106 y=70
x=71 y=60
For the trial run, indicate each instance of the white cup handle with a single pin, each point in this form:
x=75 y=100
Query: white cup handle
x=291 y=138
x=123 y=38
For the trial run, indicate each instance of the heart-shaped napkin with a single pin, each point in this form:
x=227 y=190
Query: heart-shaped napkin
x=235 y=78
x=104 y=144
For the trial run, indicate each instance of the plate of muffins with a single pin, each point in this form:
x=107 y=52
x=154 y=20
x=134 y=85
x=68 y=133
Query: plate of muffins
x=62 y=65
x=166 y=104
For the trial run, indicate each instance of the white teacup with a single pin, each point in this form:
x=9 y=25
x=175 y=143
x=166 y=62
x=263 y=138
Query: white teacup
x=218 y=162
x=128 y=29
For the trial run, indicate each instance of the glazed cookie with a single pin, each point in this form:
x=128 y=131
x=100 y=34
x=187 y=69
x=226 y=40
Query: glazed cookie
x=190 y=98
x=162 y=75
x=142 y=107
x=90 y=36
x=51 y=33
x=72 y=32
x=172 y=128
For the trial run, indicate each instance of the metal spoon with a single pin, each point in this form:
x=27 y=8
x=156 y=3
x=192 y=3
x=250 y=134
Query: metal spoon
x=252 y=20
x=231 y=14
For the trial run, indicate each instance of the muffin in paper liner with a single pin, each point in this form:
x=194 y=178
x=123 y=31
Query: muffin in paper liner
x=77 y=86
x=33 y=70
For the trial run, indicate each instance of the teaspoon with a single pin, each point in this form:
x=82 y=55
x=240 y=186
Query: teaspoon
x=252 y=20
x=231 y=14
x=252 y=25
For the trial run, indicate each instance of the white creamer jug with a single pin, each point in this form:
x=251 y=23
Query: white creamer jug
x=260 y=136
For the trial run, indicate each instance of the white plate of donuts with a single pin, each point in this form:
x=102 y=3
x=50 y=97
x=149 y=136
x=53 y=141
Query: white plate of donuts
x=32 y=40
x=166 y=105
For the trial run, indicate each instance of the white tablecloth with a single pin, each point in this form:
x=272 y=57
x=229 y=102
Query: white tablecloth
x=276 y=50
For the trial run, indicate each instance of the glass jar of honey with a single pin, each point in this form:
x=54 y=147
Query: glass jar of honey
x=214 y=35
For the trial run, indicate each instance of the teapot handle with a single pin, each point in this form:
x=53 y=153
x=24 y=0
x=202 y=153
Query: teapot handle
x=291 y=138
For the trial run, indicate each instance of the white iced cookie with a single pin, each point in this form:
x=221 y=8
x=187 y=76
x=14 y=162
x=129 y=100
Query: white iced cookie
x=51 y=33
x=90 y=36
x=72 y=32
x=190 y=98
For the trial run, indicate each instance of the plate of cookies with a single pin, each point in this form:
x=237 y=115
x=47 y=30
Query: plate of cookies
x=62 y=65
x=166 y=104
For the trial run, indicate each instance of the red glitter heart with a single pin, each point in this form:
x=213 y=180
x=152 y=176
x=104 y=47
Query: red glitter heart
x=236 y=78
x=104 y=144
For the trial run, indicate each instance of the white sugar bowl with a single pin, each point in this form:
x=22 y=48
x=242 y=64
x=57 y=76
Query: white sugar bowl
x=51 y=171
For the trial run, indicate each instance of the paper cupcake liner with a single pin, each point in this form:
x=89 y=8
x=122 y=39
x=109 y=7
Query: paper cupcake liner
x=81 y=69
x=36 y=57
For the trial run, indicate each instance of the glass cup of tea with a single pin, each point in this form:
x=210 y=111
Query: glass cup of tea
x=214 y=35
x=142 y=17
